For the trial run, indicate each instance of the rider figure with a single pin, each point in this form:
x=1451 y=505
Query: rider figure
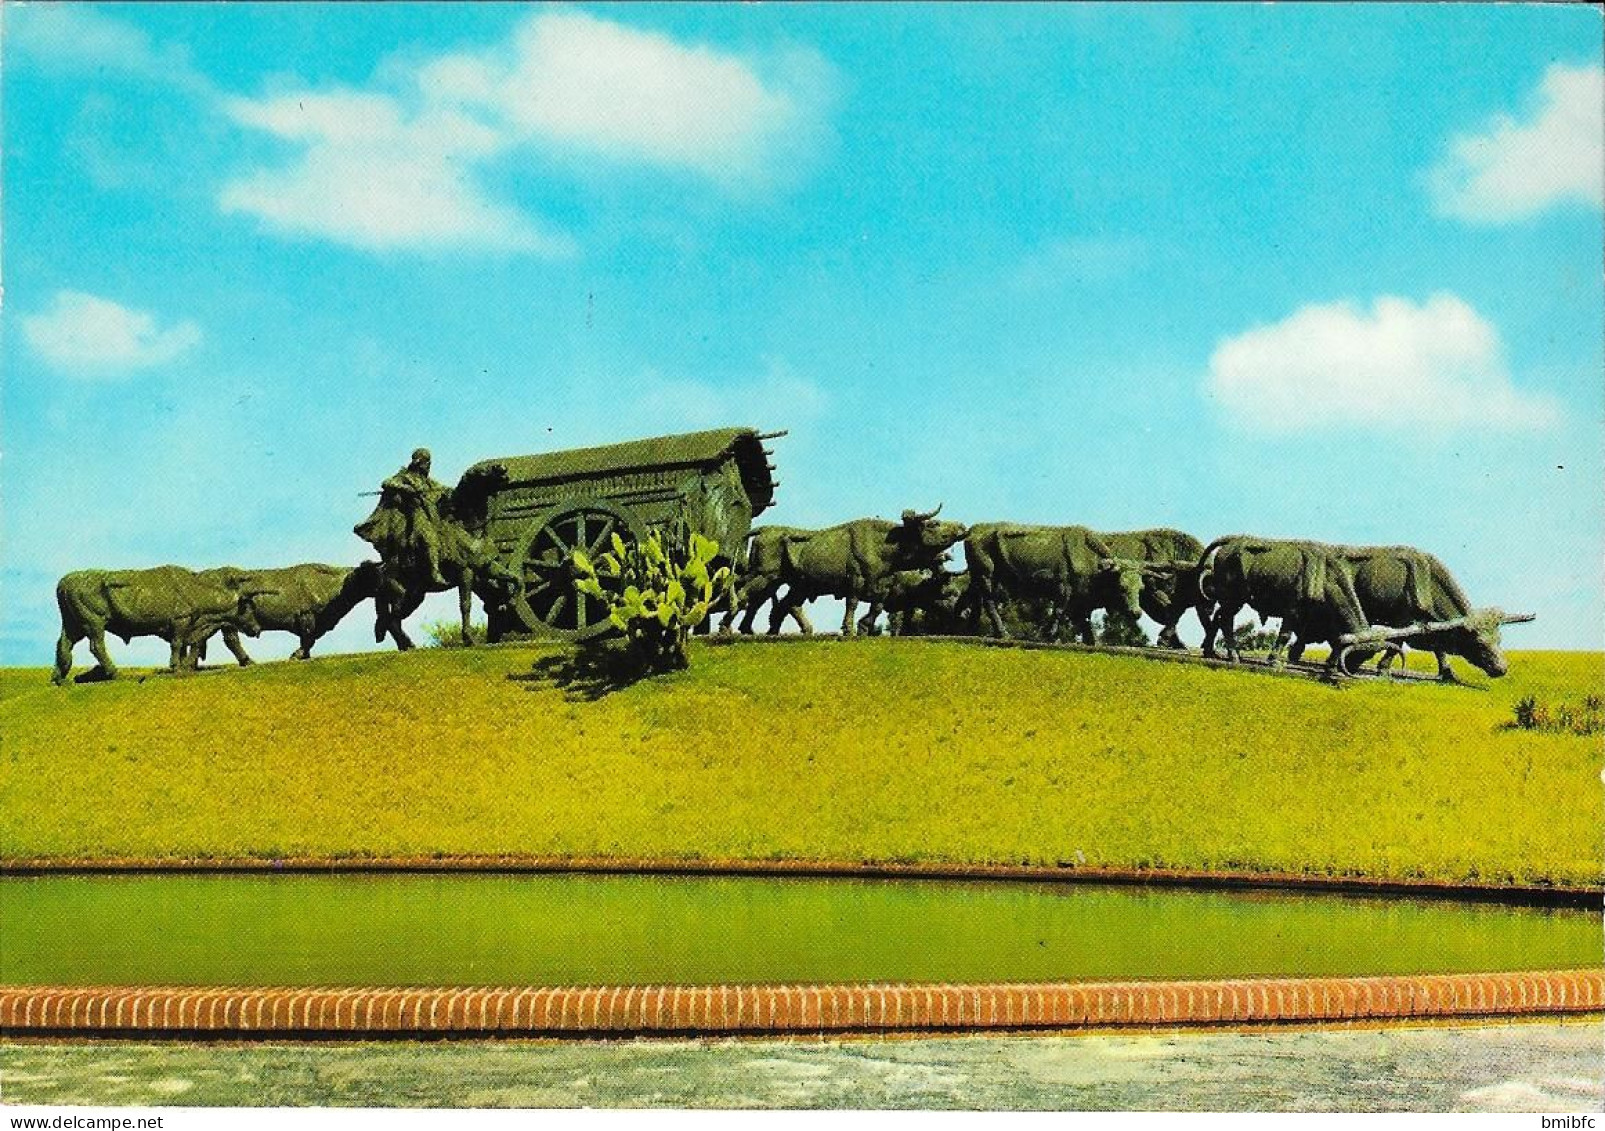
x=419 y=497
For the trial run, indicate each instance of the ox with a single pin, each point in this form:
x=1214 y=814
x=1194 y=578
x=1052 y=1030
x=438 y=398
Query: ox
x=306 y=600
x=762 y=577
x=1401 y=586
x=1308 y=584
x=178 y=605
x=1170 y=585
x=1068 y=568
x=917 y=601
x=853 y=561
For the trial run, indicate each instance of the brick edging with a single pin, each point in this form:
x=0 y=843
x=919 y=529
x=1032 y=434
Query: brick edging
x=593 y=1010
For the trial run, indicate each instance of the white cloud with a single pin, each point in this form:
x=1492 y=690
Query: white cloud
x=89 y=336
x=603 y=88
x=1514 y=169
x=1437 y=366
x=401 y=167
x=80 y=39
x=375 y=177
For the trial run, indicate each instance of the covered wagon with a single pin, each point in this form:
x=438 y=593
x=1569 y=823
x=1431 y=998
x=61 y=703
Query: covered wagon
x=533 y=511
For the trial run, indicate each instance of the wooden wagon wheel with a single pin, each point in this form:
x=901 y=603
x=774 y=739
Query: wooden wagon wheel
x=550 y=604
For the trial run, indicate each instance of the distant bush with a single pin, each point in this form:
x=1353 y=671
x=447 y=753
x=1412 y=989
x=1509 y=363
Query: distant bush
x=1585 y=718
x=1252 y=639
x=1120 y=629
x=449 y=633
x=658 y=591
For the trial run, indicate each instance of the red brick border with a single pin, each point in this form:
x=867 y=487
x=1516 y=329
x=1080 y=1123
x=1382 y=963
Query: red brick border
x=813 y=1009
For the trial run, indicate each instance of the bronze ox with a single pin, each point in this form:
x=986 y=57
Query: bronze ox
x=1401 y=586
x=854 y=561
x=1070 y=570
x=175 y=604
x=306 y=600
x=924 y=602
x=1170 y=587
x=1310 y=585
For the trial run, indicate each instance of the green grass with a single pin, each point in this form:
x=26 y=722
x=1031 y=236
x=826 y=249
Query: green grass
x=880 y=750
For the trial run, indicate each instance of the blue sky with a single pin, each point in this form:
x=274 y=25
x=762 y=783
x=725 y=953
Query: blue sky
x=1320 y=270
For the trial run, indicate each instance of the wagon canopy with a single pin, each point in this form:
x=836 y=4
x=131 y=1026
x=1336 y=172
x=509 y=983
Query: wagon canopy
x=689 y=451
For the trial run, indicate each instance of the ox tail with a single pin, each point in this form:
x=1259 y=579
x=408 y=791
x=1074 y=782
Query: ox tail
x=1312 y=582
x=741 y=552
x=1206 y=566
x=1418 y=584
x=1345 y=584
x=69 y=617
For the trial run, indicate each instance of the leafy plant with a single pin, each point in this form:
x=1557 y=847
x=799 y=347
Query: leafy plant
x=658 y=590
x=1563 y=718
x=1121 y=629
x=449 y=633
x=1252 y=639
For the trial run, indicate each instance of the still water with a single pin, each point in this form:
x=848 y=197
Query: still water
x=468 y=930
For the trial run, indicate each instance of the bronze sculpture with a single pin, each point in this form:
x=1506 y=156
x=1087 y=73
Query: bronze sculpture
x=1069 y=569
x=533 y=511
x=1308 y=584
x=512 y=530
x=424 y=548
x=853 y=561
x=1167 y=593
x=175 y=604
x=405 y=527
x=1401 y=586
x=306 y=600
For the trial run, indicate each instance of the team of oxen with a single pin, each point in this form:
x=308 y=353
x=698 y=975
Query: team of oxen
x=1046 y=582
x=1049 y=581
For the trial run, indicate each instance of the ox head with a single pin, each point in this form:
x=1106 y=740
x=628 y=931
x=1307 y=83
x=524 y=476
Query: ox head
x=1478 y=641
x=245 y=618
x=1122 y=582
x=921 y=531
x=364 y=580
x=1162 y=582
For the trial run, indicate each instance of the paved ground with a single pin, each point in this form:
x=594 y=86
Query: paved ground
x=1516 y=1067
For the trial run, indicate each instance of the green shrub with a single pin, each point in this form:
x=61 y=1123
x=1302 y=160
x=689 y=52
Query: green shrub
x=1562 y=718
x=1120 y=629
x=658 y=590
x=1251 y=639
x=449 y=633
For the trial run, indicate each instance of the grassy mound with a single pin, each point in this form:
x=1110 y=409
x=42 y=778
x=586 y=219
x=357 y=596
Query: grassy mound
x=879 y=750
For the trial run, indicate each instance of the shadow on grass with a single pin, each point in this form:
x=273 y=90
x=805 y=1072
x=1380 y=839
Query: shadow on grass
x=585 y=674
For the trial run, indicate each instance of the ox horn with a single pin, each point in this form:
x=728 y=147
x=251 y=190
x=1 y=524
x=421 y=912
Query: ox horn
x=912 y=516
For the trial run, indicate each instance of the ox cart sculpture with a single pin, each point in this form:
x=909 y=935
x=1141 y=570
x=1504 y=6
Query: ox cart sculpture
x=532 y=512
